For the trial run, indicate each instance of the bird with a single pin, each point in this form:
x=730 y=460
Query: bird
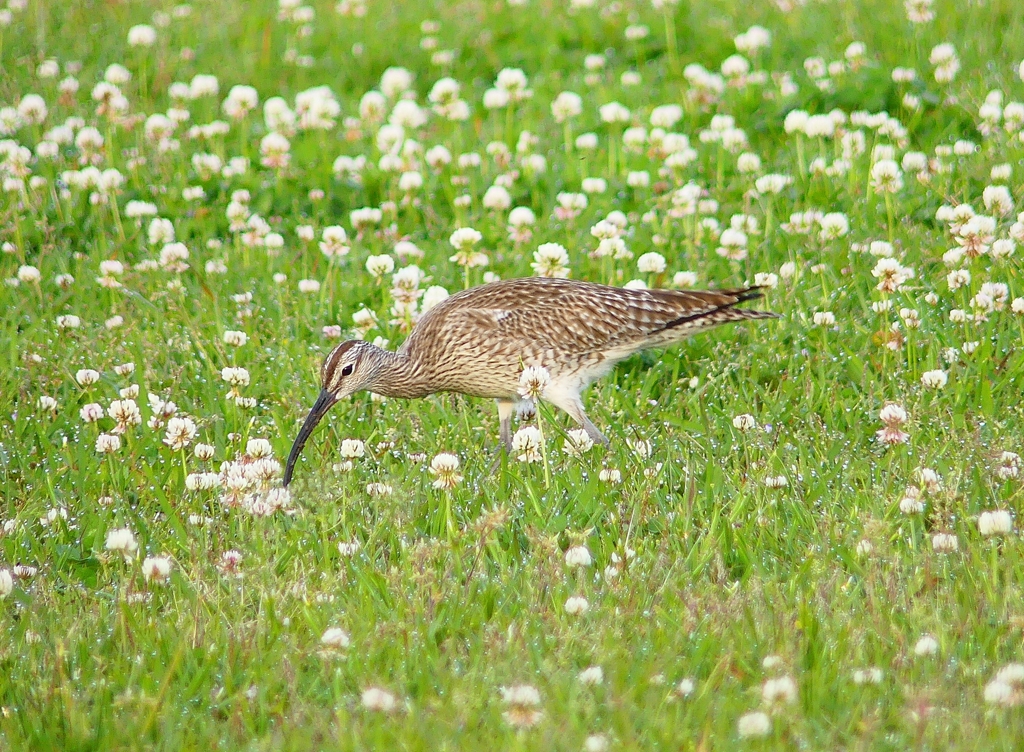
x=478 y=342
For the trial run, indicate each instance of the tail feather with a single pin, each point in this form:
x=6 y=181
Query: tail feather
x=722 y=313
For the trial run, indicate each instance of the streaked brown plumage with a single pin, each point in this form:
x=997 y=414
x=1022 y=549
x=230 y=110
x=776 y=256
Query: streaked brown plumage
x=478 y=341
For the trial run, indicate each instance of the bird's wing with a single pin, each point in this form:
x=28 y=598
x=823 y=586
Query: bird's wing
x=576 y=319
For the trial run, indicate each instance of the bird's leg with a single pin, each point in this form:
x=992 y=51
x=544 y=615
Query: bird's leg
x=573 y=406
x=592 y=431
x=505 y=420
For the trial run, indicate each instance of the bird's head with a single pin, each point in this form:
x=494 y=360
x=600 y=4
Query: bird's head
x=348 y=368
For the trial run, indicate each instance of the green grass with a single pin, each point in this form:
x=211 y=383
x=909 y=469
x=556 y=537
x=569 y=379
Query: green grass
x=453 y=595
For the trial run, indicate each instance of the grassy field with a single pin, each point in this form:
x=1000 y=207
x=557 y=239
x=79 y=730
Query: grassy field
x=805 y=532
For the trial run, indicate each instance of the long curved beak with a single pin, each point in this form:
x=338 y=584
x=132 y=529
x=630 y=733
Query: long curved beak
x=323 y=403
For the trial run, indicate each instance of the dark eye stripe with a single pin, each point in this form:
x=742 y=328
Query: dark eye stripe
x=332 y=361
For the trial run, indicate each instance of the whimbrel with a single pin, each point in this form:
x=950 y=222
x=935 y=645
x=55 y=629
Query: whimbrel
x=477 y=342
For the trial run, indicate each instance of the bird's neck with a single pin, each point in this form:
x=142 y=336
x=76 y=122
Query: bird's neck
x=400 y=375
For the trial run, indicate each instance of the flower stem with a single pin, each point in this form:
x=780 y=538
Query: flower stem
x=543 y=450
x=670 y=36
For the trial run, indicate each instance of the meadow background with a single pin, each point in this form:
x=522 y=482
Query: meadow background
x=805 y=532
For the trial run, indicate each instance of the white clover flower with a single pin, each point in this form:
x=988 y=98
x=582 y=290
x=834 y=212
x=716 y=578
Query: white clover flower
x=522 y=703
x=527 y=444
x=578 y=556
x=444 y=467
x=495 y=99
x=91 y=412
x=6 y=583
x=350 y=548
x=998 y=200
x=942 y=53
x=465 y=238
x=772 y=183
x=117 y=74
x=335 y=638
x=638 y=179
x=29 y=275
x=753 y=725
x=378 y=700
x=203 y=85
x=236 y=377
x=958 y=278
x=926 y=645
x=513 y=82
x=258 y=449
x=780 y=691
x=824 y=318
x=998 y=522
x=395 y=81
x=566 y=106
x=432 y=296
x=833 y=225
x=122 y=541
x=685 y=687
x=591 y=676
x=886 y=176
x=202 y=481
x=275 y=150
x=241 y=100
x=893 y=416
x=334 y=241
x=352 y=449
x=551 y=260
x=180 y=432
x=614 y=112
x=497 y=198
x=235 y=338
x=891 y=274
x=126 y=413
x=915 y=162
x=934 y=379
x=819 y=126
x=577 y=442
x=945 y=543
x=733 y=244
x=1007 y=686
x=871 y=675
x=533 y=381
x=156 y=568
x=919 y=11
x=576 y=605
x=141 y=35
x=380 y=265
x=651 y=263
x=379 y=489
x=911 y=502
x=744 y=422
x=684 y=279
x=173 y=256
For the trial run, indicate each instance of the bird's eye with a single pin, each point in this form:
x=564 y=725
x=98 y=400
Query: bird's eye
x=347 y=370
